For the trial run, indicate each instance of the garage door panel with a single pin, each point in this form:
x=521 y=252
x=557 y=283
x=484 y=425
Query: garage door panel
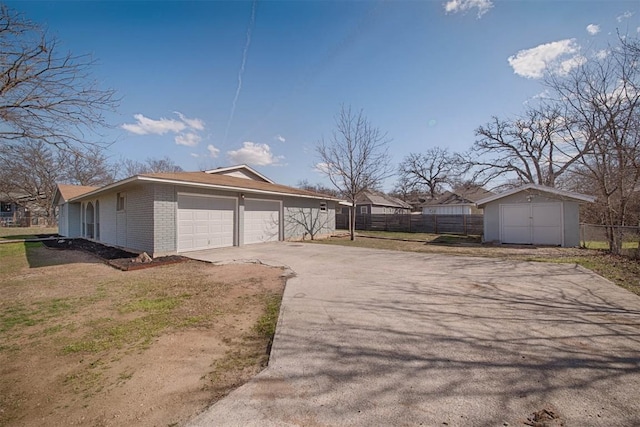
x=546 y=224
x=535 y=223
x=205 y=222
x=516 y=224
x=547 y=215
x=261 y=221
x=516 y=216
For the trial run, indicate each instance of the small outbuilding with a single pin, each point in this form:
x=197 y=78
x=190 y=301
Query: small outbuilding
x=533 y=215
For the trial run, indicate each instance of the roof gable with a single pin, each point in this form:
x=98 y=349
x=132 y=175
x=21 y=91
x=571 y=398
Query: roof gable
x=562 y=194
x=65 y=192
x=240 y=171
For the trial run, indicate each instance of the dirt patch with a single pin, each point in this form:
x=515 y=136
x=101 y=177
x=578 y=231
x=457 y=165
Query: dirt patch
x=115 y=257
x=545 y=418
x=84 y=344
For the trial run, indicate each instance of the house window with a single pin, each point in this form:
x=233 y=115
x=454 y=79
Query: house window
x=323 y=207
x=120 y=203
x=363 y=209
x=5 y=207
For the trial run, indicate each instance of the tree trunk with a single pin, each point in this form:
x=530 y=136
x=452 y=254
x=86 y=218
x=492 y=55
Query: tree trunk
x=352 y=222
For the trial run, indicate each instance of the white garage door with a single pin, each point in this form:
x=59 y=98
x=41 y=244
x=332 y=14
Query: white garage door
x=205 y=222
x=261 y=221
x=535 y=223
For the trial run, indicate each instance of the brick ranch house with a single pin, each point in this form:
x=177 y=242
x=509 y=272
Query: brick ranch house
x=170 y=213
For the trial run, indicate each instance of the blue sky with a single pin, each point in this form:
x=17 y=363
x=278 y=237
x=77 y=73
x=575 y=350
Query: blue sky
x=213 y=83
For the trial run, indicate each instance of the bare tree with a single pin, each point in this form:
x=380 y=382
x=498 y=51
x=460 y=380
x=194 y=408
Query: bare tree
x=536 y=148
x=86 y=167
x=310 y=221
x=408 y=191
x=603 y=96
x=151 y=165
x=317 y=188
x=432 y=169
x=355 y=157
x=46 y=95
x=29 y=172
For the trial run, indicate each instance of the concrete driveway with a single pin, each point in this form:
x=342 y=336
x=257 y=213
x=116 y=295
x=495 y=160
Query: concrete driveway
x=370 y=337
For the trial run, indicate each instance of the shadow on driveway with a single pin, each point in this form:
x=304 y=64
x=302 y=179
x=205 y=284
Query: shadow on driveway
x=372 y=337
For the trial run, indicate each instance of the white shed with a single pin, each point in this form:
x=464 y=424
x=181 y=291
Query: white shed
x=533 y=214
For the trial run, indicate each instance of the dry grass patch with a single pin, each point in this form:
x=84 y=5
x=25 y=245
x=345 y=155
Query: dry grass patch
x=83 y=343
x=9 y=233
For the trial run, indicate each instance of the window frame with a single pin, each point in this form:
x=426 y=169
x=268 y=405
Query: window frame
x=121 y=202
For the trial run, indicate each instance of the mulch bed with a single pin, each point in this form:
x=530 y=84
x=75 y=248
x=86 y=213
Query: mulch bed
x=115 y=257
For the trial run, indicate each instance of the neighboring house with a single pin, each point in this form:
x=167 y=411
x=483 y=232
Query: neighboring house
x=19 y=210
x=169 y=213
x=461 y=201
x=533 y=214
x=374 y=202
x=10 y=211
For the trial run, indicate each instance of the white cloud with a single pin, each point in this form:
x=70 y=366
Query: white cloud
x=213 y=151
x=455 y=6
x=558 y=57
x=195 y=124
x=254 y=154
x=626 y=15
x=196 y=155
x=545 y=94
x=147 y=126
x=323 y=168
x=188 y=139
x=280 y=138
x=602 y=54
x=593 y=29
x=567 y=65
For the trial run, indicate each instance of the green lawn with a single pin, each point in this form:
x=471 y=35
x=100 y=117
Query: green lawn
x=592 y=244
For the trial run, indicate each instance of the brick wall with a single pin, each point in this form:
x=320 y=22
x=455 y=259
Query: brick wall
x=140 y=218
x=164 y=224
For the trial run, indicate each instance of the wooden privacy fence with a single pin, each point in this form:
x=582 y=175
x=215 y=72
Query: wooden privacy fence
x=414 y=223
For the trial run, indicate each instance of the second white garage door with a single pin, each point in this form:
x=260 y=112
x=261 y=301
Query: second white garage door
x=534 y=223
x=205 y=222
x=261 y=221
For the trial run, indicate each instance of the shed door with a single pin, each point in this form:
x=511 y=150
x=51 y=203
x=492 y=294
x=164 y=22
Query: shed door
x=532 y=223
x=205 y=222
x=261 y=221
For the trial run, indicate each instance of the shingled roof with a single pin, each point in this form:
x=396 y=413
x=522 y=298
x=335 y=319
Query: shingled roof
x=68 y=191
x=461 y=196
x=215 y=181
x=370 y=197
